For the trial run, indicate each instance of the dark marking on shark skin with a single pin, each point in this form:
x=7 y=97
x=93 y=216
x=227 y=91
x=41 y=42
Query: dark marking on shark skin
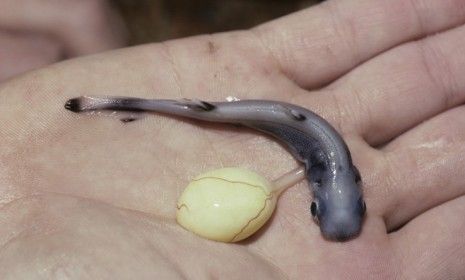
x=338 y=205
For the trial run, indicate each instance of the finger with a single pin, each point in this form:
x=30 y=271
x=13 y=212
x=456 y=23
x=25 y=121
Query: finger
x=91 y=27
x=23 y=52
x=400 y=88
x=432 y=245
x=424 y=168
x=319 y=44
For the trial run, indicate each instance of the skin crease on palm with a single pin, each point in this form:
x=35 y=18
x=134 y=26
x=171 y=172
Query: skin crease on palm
x=89 y=197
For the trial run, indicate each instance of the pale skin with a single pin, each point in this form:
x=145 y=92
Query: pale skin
x=36 y=33
x=87 y=197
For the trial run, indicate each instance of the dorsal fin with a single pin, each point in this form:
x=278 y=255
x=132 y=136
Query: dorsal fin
x=196 y=104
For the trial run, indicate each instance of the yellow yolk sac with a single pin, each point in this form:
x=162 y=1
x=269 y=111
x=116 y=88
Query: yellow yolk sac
x=227 y=204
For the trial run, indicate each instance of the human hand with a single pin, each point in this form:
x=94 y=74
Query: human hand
x=36 y=33
x=91 y=197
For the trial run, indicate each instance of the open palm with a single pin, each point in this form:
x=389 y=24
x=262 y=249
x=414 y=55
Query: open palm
x=92 y=197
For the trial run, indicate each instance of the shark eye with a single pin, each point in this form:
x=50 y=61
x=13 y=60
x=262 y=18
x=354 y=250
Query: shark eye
x=363 y=206
x=358 y=178
x=313 y=209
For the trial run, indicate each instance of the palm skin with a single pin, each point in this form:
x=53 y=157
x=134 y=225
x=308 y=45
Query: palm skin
x=89 y=197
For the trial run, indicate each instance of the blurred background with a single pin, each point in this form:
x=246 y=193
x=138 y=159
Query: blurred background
x=34 y=34
x=158 y=20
